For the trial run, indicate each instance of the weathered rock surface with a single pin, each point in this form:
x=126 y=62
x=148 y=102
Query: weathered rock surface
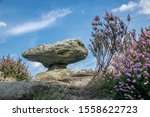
x=57 y=55
x=22 y=90
x=27 y=90
x=70 y=77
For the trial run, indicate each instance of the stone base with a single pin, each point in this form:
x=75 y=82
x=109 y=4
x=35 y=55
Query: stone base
x=78 y=78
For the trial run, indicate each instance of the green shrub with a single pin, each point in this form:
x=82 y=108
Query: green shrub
x=102 y=86
x=15 y=69
x=46 y=92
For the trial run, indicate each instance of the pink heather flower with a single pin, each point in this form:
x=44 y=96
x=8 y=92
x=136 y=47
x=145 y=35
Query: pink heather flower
x=94 y=23
x=145 y=73
x=117 y=76
x=137 y=65
x=137 y=70
x=122 y=24
x=128 y=74
x=128 y=18
x=126 y=71
x=148 y=42
x=147 y=54
x=147 y=65
x=97 y=18
x=147 y=34
x=147 y=60
x=109 y=16
x=117 y=68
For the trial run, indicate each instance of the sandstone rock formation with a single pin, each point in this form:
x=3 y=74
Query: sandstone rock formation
x=57 y=55
x=70 y=77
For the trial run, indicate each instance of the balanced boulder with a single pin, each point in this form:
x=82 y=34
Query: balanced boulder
x=57 y=55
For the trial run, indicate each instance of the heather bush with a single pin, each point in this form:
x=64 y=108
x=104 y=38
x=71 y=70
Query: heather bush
x=133 y=70
x=15 y=69
x=109 y=37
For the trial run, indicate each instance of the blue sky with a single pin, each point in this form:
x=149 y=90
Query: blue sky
x=27 y=23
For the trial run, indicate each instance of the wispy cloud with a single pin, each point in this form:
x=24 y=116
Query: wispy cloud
x=142 y=7
x=2 y=24
x=35 y=65
x=44 y=21
x=145 y=7
x=125 y=7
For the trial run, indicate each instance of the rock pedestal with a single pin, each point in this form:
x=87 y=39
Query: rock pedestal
x=69 y=77
x=56 y=57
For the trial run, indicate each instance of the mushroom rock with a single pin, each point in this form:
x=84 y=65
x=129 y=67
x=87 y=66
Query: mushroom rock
x=57 y=55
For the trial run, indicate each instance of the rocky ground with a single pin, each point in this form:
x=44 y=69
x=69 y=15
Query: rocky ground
x=45 y=86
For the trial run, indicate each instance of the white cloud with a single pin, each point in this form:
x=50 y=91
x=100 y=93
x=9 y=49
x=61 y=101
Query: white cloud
x=2 y=24
x=36 y=67
x=142 y=7
x=44 y=21
x=125 y=7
